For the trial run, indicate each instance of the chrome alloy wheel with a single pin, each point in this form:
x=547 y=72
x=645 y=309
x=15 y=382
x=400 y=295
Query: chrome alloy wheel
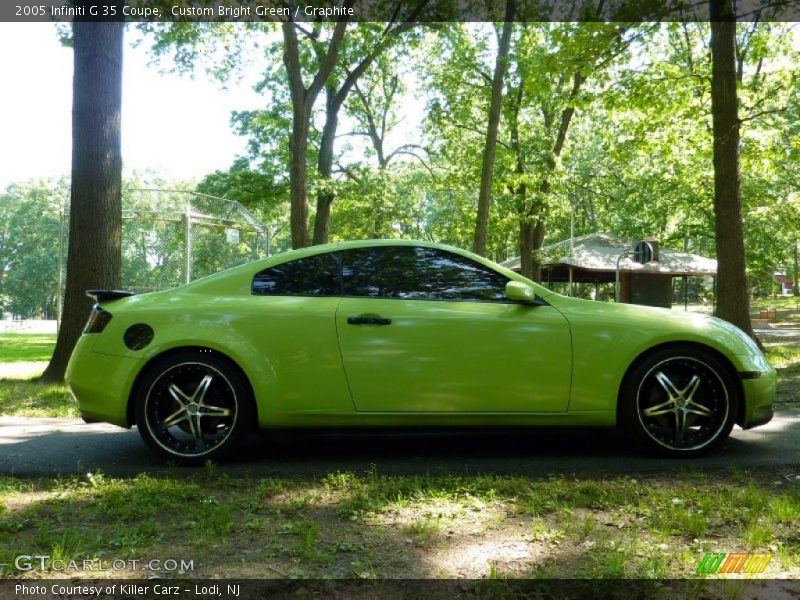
x=683 y=404
x=191 y=409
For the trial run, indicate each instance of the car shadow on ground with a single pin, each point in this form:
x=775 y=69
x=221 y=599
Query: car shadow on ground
x=30 y=447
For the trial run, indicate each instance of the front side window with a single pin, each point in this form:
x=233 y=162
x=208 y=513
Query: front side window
x=417 y=273
x=311 y=276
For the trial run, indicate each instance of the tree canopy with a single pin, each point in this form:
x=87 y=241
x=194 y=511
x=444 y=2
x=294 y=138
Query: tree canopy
x=600 y=127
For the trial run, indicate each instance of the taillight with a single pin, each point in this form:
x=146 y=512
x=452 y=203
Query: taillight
x=97 y=320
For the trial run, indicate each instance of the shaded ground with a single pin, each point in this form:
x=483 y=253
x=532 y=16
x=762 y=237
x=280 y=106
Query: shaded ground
x=372 y=525
x=68 y=446
x=779 y=332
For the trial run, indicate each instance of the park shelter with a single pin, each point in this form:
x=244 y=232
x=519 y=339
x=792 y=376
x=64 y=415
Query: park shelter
x=593 y=259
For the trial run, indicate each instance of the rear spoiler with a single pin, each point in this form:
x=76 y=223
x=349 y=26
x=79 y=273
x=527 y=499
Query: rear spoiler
x=105 y=295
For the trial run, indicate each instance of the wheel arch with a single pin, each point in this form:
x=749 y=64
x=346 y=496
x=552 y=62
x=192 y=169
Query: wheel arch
x=723 y=360
x=200 y=350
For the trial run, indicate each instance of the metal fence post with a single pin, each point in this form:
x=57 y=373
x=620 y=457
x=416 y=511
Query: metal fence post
x=187 y=247
x=59 y=298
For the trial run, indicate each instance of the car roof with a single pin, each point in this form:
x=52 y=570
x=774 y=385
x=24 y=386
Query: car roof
x=247 y=270
x=346 y=245
x=335 y=246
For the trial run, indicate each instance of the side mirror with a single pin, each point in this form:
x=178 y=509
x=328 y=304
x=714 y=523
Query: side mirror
x=520 y=292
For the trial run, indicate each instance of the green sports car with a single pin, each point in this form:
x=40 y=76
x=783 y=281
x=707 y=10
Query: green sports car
x=404 y=333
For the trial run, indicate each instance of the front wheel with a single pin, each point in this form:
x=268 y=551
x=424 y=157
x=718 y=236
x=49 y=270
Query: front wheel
x=679 y=402
x=193 y=407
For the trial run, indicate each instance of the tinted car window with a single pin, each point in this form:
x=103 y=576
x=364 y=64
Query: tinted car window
x=311 y=276
x=414 y=273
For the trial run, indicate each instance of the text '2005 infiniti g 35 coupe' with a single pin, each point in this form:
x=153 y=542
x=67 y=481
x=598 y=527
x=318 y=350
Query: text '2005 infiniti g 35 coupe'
x=399 y=333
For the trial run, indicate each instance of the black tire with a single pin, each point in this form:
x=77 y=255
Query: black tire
x=193 y=407
x=679 y=402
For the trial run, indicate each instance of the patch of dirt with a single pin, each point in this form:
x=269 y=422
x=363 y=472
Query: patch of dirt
x=507 y=549
x=16 y=501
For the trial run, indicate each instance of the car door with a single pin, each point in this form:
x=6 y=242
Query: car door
x=293 y=321
x=426 y=330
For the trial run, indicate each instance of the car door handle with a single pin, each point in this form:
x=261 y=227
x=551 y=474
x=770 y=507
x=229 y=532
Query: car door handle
x=368 y=321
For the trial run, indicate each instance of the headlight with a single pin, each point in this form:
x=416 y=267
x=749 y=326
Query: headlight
x=97 y=320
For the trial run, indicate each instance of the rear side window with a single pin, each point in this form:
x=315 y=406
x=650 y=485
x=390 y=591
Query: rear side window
x=419 y=273
x=311 y=276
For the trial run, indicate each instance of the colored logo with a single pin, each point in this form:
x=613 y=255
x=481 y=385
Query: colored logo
x=737 y=562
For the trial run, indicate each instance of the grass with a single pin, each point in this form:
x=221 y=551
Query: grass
x=783 y=356
x=416 y=526
x=17 y=347
x=786 y=360
x=786 y=303
x=26 y=397
x=20 y=398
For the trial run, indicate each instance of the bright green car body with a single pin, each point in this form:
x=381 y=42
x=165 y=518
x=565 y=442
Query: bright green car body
x=559 y=361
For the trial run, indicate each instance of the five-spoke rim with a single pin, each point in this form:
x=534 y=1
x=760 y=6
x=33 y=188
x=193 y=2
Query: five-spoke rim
x=682 y=403
x=190 y=409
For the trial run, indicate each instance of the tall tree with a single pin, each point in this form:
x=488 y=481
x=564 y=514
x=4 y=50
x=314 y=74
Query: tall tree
x=366 y=52
x=581 y=51
x=384 y=200
x=548 y=68
x=733 y=302
x=490 y=147
x=94 y=256
x=303 y=99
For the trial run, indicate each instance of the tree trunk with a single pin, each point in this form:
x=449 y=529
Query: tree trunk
x=733 y=302
x=95 y=223
x=538 y=214
x=532 y=242
x=527 y=225
x=322 y=222
x=325 y=197
x=302 y=103
x=298 y=179
x=526 y=234
x=334 y=101
x=490 y=148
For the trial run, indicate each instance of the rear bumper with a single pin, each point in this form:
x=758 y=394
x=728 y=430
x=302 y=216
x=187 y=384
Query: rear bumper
x=101 y=383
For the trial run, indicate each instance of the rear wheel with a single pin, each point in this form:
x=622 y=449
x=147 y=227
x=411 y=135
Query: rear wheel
x=679 y=402
x=193 y=407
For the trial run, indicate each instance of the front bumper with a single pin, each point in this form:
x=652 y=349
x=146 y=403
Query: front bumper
x=101 y=383
x=759 y=396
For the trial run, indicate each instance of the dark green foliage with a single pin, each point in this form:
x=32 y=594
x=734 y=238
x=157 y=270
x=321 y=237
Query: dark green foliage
x=29 y=231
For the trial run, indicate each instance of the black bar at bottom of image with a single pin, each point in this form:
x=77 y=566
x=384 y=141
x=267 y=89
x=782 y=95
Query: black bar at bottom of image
x=333 y=589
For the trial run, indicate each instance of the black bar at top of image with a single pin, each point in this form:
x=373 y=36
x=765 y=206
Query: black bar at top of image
x=386 y=10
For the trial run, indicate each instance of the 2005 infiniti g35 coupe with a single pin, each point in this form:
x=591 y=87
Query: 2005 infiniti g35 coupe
x=390 y=333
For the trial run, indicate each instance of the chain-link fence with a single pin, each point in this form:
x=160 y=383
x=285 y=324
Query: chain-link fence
x=171 y=237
